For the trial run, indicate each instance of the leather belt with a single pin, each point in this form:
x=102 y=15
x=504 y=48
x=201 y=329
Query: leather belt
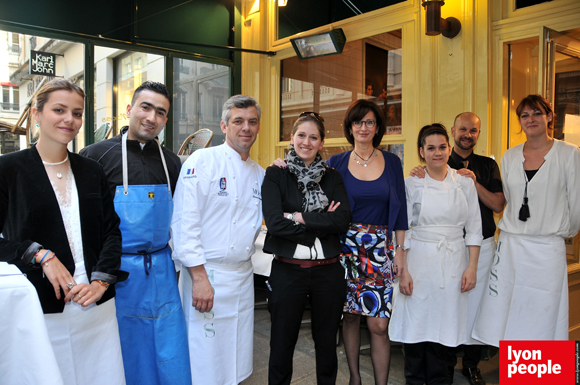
x=306 y=263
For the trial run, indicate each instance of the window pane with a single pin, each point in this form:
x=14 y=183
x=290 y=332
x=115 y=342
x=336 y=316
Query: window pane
x=200 y=90
x=370 y=68
x=5 y=98
x=522 y=81
x=15 y=98
x=117 y=74
x=69 y=64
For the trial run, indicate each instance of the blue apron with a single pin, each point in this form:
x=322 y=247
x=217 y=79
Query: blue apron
x=151 y=321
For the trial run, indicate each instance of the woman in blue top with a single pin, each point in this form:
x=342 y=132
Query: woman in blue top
x=376 y=193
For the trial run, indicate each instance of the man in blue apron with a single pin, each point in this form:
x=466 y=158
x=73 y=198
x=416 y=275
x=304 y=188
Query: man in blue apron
x=142 y=175
x=486 y=175
x=217 y=217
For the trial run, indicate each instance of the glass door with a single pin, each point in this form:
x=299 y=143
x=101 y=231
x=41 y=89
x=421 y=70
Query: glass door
x=562 y=89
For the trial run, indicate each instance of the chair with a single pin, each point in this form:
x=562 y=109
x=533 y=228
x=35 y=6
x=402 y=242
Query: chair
x=103 y=132
x=195 y=141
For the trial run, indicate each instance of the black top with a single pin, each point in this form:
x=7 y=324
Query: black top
x=280 y=194
x=144 y=165
x=530 y=174
x=487 y=174
x=30 y=214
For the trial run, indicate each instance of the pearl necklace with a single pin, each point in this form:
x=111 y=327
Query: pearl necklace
x=58 y=173
x=365 y=161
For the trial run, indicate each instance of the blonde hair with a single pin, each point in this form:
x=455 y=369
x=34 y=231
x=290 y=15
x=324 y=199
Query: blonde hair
x=55 y=85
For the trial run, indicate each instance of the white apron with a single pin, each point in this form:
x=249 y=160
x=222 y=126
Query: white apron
x=474 y=296
x=526 y=295
x=26 y=355
x=86 y=340
x=437 y=310
x=224 y=335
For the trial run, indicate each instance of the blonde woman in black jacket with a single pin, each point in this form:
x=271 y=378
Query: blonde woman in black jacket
x=305 y=208
x=59 y=227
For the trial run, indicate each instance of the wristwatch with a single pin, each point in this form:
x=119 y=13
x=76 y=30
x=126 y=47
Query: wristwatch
x=102 y=283
x=290 y=216
x=403 y=247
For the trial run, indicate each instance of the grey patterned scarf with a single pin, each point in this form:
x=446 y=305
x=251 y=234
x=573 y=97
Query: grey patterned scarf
x=308 y=180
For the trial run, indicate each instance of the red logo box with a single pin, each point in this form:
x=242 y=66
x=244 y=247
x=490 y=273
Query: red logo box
x=538 y=362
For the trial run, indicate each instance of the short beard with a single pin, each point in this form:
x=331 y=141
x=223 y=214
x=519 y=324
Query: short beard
x=458 y=144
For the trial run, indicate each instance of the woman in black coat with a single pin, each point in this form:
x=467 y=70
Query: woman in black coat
x=59 y=227
x=305 y=208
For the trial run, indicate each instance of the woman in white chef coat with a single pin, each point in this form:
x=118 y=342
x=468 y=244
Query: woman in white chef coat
x=527 y=293
x=430 y=311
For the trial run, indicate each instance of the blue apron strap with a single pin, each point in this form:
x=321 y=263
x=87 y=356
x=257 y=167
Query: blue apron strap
x=125 y=166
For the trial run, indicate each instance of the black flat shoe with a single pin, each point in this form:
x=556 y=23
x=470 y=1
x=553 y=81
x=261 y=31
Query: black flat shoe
x=473 y=376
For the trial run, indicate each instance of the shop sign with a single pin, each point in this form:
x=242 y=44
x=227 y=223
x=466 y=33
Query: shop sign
x=42 y=63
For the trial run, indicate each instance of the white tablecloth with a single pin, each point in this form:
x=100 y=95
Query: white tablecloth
x=26 y=355
x=262 y=262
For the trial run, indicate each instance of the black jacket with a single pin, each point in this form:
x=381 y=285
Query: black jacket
x=29 y=212
x=280 y=194
x=144 y=165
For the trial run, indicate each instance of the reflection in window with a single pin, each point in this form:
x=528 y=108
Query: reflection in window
x=567 y=124
x=21 y=86
x=117 y=74
x=328 y=85
x=522 y=71
x=199 y=92
x=131 y=73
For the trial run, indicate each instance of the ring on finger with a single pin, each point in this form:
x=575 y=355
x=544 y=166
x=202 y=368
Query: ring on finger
x=70 y=285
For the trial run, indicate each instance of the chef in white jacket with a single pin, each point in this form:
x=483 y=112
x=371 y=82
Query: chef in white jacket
x=216 y=219
x=430 y=311
x=527 y=292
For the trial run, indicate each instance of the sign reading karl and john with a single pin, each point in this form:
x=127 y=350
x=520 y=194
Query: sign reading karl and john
x=42 y=63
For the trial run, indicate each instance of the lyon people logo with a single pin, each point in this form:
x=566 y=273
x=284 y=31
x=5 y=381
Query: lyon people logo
x=538 y=362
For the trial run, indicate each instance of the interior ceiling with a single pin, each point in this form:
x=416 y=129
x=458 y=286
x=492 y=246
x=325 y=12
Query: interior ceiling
x=575 y=33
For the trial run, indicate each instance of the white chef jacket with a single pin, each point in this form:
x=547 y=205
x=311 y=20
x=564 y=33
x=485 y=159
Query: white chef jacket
x=217 y=211
x=553 y=193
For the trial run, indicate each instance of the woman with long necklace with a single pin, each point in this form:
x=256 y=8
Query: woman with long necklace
x=376 y=193
x=528 y=292
x=59 y=227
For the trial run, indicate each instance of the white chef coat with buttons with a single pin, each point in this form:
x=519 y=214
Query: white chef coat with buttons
x=216 y=219
x=217 y=211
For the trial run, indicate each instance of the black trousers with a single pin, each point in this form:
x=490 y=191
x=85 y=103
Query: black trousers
x=425 y=363
x=292 y=286
x=471 y=358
